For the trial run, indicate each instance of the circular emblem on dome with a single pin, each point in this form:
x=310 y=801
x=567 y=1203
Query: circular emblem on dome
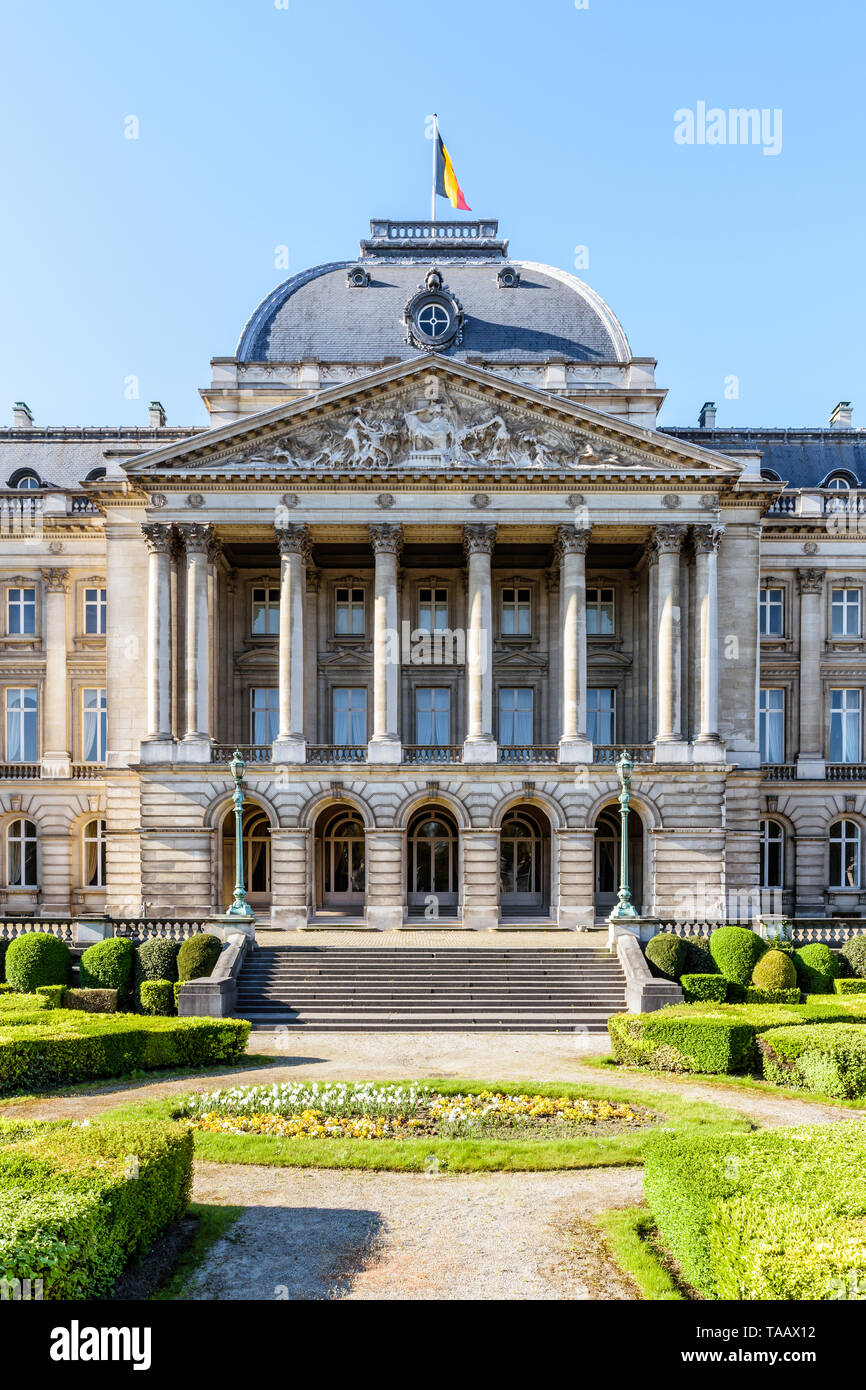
x=433 y=316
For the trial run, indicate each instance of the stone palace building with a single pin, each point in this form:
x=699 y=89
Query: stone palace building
x=432 y=565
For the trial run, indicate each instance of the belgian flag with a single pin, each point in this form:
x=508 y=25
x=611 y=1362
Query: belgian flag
x=446 y=179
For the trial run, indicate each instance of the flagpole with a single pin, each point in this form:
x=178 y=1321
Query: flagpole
x=435 y=155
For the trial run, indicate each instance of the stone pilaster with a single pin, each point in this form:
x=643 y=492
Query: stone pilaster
x=707 y=540
x=294 y=545
x=670 y=745
x=574 y=746
x=197 y=738
x=384 y=745
x=56 y=761
x=160 y=542
x=810 y=755
x=479 y=745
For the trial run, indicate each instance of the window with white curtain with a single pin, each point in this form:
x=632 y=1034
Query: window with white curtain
x=264 y=714
x=350 y=715
x=845 y=706
x=433 y=716
x=432 y=609
x=21 y=612
x=95 y=725
x=93 y=861
x=601 y=715
x=599 y=612
x=515 y=716
x=22 y=855
x=95 y=612
x=349 y=612
x=22 y=732
x=266 y=612
x=771 y=721
x=772 y=854
x=771 y=611
x=845 y=854
x=845 y=612
x=516 y=612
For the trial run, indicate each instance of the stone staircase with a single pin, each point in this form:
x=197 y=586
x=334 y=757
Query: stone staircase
x=422 y=989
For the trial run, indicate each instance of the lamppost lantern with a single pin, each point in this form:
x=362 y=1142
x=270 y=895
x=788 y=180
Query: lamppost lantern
x=240 y=907
x=624 y=908
x=238 y=767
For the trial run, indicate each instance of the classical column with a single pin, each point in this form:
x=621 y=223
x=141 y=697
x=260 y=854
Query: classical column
x=810 y=757
x=479 y=746
x=670 y=746
x=160 y=540
x=384 y=745
x=294 y=545
x=707 y=539
x=197 y=539
x=574 y=746
x=56 y=761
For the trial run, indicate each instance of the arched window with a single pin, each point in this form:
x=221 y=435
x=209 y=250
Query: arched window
x=835 y=482
x=21 y=855
x=94 y=475
x=772 y=854
x=845 y=854
x=25 y=479
x=770 y=475
x=93 y=873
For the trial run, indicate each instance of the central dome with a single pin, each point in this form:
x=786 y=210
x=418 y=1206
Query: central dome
x=511 y=312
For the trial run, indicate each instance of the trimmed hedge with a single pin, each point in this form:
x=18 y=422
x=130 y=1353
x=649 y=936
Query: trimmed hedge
x=157 y=997
x=92 y=1001
x=827 y=1057
x=817 y=967
x=736 y=951
x=666 y=955
x=156 y=959
x=4 y=946
x=843 y=986
x=773 y=1215
x=15 y=1003
x=75 y=1047
x=77 y=1204
x=197 y=956
x=751 y=995
x=703 y=987
x=54 y=994
x=853 y=953
x=774 y=970
x=37 y=958
x=108 y=965
x=699 y=960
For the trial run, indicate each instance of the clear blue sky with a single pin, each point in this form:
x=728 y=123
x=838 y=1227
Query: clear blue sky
x=262 y=126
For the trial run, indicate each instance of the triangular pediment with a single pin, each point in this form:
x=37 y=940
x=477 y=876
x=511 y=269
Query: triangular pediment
x=428 y=418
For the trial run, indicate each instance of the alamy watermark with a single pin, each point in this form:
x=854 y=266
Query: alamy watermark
x=738 y=125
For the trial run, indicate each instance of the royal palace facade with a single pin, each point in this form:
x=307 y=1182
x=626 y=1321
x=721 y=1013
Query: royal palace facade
x=432 y=565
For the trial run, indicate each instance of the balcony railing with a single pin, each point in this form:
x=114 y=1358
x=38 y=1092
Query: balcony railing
x=846 y=772
x=88 y=771
x=779 y=772
x=820 y=502
x=432 y=753
x=336 y=752
x=20 y=771
x=250 y=752
x=528 y=753
x=612 y=752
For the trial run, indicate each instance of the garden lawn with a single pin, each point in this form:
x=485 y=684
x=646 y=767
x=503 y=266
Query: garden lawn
x=630 y=1233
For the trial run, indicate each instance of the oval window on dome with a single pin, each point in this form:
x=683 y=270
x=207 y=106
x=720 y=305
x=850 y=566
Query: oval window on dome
x=433 y=320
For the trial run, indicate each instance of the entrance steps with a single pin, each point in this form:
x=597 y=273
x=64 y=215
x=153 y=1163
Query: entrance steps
x=418 y=989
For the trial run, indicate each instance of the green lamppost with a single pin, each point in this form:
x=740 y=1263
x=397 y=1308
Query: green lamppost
x=240 y=907
x=624 y=906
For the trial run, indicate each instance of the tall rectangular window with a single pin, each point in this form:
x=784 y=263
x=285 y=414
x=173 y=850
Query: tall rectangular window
x=350 y=715
x=601 y=716
x=516 y=613
x=95 y=729
x=266 y=612
x=771 y=612
x=845 y=706
x=599 y=613
x=264 y=714
x=432 y=610
x=845 y=612
x=22 y=733
x=772 y=725
x=349 y=613
x=515 y=716
x=94 y=612
x=21 y=612
x=433 y=716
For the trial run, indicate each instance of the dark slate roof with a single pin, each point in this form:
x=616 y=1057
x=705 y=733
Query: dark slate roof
x=801 y=458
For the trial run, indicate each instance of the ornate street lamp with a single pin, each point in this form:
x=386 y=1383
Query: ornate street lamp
x=240 y=907
x=624 y=909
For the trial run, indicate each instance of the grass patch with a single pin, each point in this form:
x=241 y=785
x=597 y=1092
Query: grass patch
x=630 y=1234
x=212 y=1223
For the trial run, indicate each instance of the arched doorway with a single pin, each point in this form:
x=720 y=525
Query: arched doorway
x=431 y=861
x=257 y=857
x=607 y=853
x=524 y=863
x=342 y=861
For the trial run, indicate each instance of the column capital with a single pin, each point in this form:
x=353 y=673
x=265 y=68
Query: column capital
x=159 y=537
x=55 y=581
x=294 y=540
x=669 y=539
x=385 y=539
x=479 y=539
x=811 y=581
x=572 y=540
x=196 y=538
x=707 y=538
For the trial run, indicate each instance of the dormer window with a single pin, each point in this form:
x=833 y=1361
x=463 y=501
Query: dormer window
x=837 y=482
x=25 y=479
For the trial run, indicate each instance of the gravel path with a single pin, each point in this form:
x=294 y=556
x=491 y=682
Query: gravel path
x=309 y=1234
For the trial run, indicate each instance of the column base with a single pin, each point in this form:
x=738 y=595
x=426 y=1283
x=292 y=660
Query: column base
x=575 y=750
x=708 y=749
x=811 y=768
x=195 y=748
x=289 y=750
x=480 y=748
x=55 y=765
x=481 y=918
x=157 y=750
x=384 y=748
x=672 y=751
x=385 y=917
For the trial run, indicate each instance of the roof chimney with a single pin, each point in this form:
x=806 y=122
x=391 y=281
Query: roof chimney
x=22 y=416
x=707 y=417
x=157 y=415
x=842 y=416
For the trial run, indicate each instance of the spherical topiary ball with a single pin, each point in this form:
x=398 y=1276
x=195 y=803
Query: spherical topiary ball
x=38 y=958
x=107 y=965
x=157 y=959
x=854 y=952
x=736 y=951
x=775 y=970
x=197 y=956
x=817 y=968
x=667 y=954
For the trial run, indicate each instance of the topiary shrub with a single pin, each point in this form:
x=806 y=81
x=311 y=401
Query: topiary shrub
x=108 y=965
x=157 y=959
x=38 y=958
x=775 y=970
x=751 y=995
x=736 y=951
x=666 y=955
x=4 y=946
x=698 y=958
x=698 y=987
x=854 y=952
x=157 y=997
x=817 y=968
x=849 y=986
x=92 y=1001
x=197 y=956
x=54 y=994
